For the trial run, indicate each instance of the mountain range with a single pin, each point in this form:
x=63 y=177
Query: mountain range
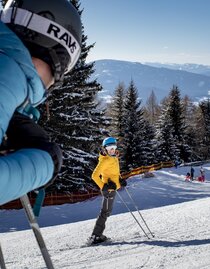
x=192 y=79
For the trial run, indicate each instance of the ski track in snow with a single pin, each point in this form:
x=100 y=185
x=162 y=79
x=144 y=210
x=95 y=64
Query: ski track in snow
x=181 y=225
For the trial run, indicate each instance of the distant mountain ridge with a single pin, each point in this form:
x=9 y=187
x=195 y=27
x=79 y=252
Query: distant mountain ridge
x=193 y=68
x=191 y=79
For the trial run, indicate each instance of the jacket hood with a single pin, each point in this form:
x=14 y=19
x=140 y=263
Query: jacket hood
x=13 y=47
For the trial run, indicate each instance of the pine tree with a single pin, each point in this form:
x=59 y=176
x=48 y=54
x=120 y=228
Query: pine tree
x=152 y=109
x=176 y=115
x=150 y=143
x=115 y=111
x=193 y=130
x=77 y=124
x=205 y=108
x=134 y=146
x=175 y=112
x=166 y=146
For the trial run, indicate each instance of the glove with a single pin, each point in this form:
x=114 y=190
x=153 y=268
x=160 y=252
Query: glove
x=110 y=185
x=123 y=183
x=105 y=187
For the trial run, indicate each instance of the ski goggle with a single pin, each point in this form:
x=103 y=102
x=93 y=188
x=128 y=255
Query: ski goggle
x=110 y=147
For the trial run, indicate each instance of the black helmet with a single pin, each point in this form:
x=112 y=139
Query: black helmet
x=50 y=29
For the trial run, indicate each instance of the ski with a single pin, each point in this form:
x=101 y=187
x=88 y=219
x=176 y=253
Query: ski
x=89 y=243
x=2 y=262
x=36 y=229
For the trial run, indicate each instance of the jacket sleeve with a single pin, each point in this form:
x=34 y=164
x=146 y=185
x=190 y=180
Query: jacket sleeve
x=12 y=94
x=96 y=175
x=117 y=179
x=24 y=171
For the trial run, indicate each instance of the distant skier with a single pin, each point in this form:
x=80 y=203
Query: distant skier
x=202 y=171
x=192 y=173
x=176 y=163
x=201 y=178
x=107 y=176
x=188 y=177
x=40 y=40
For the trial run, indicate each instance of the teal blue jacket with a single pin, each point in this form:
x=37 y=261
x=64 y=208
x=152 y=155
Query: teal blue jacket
x=25 y=169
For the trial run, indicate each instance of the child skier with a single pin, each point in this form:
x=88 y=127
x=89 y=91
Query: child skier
x=107 y=176
x=201 y=178
x=188 y=177
x=40 y=41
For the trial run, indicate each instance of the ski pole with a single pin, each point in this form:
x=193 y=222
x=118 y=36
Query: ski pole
x=2 y=262
x=36 y=229
x=139 y=211
x=132 y=215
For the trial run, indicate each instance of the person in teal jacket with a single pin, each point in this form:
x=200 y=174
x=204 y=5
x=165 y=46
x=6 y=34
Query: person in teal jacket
x=40 y=41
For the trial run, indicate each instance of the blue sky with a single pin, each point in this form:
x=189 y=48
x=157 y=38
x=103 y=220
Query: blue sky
x=167 y=31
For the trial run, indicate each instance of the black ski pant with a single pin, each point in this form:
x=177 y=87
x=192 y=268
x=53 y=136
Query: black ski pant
x=106 y=210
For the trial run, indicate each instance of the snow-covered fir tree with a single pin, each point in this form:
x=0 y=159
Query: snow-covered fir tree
x=175 y=110
x=166 y=146
x=115 y=110
x=198 y=147
x=150 y=143
x=152 y=109
x=205 y=108
x=77 y=124
x=135 y=148
x=191 y=118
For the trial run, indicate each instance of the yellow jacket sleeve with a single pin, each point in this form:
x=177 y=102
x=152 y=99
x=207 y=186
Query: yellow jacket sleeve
x=96 y=175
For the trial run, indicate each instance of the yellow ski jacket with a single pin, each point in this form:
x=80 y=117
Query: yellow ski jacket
x=108 y=168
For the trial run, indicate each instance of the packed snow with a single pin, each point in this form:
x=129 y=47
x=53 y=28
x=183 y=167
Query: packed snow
x=176 y=211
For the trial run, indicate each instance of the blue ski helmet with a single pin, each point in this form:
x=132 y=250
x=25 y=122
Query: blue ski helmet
x=109 y=141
